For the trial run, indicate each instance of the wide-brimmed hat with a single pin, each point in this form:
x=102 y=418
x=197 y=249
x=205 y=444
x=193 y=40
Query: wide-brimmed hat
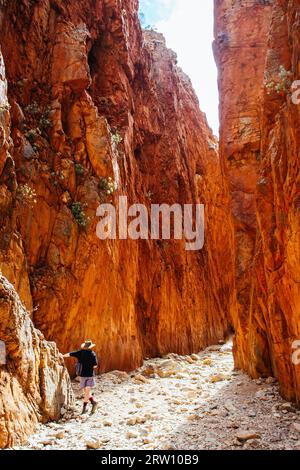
x=88 y=344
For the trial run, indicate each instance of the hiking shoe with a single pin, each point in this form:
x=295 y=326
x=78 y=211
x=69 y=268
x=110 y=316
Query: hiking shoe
x=84 y=409
x=94 y=407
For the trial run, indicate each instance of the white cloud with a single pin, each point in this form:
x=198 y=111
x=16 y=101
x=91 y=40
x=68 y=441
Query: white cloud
x=189 y=32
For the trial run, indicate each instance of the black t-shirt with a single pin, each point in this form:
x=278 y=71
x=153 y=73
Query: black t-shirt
x=87 y=359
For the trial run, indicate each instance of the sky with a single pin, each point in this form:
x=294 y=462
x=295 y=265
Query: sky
x=188 y=28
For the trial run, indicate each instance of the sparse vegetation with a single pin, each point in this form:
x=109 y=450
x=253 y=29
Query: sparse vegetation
x=22 y=170
x=279 y=83
x=116 y=139
x=79 y=170
x=32 y=135
x=32 y=108
x=26 y=195
x=45 y=122
x=43 y=116
x=53 y=178
x=105 y=101
x=150 y=27
x=107 y=185
x=56 y=177
x=79 y=214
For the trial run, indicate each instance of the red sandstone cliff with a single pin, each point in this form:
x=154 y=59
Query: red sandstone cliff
x=34 y=383
x=259 y=145
x=90 y=98
x=80 y=75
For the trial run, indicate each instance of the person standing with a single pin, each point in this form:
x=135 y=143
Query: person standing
x=86 y=367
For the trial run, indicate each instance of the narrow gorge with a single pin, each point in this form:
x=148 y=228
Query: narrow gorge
x=93 y=107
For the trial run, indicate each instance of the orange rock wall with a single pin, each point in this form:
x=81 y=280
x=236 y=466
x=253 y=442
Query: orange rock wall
x=34 y=383
x=78 y=74
x=89 y=96
x=259 y=144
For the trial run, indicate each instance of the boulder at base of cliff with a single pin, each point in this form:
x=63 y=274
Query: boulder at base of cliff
x=34 y=383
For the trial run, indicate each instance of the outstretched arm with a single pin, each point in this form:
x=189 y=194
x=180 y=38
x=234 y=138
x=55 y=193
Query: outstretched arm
x=95 y=363
x=66 y=355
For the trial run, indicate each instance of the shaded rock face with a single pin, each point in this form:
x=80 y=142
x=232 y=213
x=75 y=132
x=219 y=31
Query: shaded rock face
x=93 y=98
x=34 y=383
x=260 y=152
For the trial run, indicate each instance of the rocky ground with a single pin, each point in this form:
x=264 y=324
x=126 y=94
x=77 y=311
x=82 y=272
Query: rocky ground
x=192 y=402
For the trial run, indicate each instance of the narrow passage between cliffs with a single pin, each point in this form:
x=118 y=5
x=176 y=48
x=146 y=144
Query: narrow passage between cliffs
x=175 y=402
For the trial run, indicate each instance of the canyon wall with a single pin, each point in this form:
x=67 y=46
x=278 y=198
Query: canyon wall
x=257 y=51
x=34 y=383
x=92 y=97
x=89 y=102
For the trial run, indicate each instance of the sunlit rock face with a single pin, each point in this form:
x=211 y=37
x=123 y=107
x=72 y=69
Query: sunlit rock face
x=92 y=98
x=86 y=96
x=34 y=382
x=257 y=49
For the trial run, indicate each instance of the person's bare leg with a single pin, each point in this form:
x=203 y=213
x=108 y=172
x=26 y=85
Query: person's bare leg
x=94 y=403
x=87 y=394
x=86 y=398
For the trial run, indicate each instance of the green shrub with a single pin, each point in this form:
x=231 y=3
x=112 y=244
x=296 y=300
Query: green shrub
x=116 y=139
x=79 y=170
x=79 y=214
x=56 y=177
x=107 y=185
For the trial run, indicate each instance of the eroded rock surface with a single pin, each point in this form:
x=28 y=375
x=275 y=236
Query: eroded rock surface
x=91 y=97
x=34 y=383
x=259 y=144
x=94 y=98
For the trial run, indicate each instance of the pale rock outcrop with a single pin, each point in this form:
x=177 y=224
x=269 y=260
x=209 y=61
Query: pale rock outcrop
x=34 y=383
